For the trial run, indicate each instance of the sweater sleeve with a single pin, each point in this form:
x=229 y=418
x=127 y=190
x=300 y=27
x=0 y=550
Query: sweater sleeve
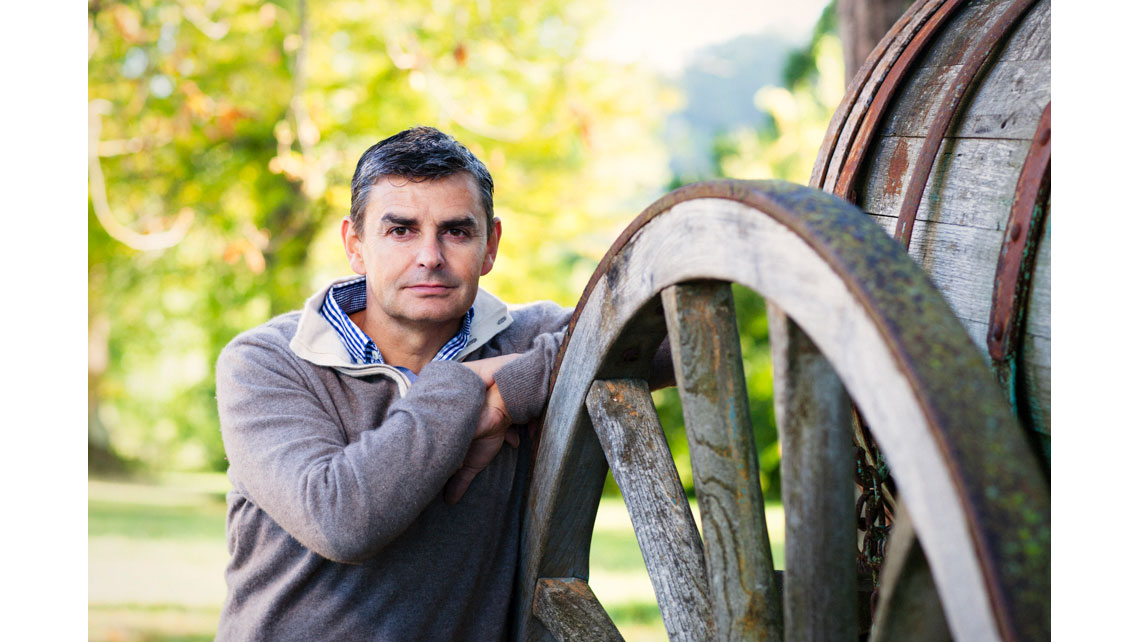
x=524 y=383
x=343 y=501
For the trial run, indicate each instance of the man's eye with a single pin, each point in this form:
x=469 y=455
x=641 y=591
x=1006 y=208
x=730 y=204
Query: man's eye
x=456 y=232
x=399 y=231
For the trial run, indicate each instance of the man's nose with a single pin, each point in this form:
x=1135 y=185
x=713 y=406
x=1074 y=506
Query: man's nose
x=430 y=252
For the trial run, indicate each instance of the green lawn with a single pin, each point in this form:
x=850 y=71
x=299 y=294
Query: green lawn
x=156 y=553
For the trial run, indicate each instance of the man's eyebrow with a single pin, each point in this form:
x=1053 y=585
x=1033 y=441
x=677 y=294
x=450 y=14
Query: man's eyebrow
x=466 y=221
x=396 y=219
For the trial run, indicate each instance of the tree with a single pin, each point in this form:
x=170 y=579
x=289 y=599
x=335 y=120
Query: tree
x=862 y=23
x=223 y=138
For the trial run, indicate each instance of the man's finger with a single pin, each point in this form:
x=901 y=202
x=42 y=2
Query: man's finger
x=512 y=437
x=486 y=368
x=491 y=420
x=458 y=484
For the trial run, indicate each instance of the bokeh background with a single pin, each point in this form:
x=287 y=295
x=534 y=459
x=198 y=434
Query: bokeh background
x=222 y=139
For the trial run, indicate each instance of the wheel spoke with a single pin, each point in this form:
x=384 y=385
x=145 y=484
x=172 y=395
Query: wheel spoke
x=710 y=379
x=631 y=436
x=979 y=502
x=570 y=611
x=814 y=417
x=908 y=602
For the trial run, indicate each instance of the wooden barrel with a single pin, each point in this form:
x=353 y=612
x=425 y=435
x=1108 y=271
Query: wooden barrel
x=943 y=139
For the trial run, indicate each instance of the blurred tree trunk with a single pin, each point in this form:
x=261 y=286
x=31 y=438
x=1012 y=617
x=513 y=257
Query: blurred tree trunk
x=101 y=458
x=862 y=23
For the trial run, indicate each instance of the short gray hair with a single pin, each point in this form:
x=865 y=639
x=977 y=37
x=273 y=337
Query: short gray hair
x=418 y=154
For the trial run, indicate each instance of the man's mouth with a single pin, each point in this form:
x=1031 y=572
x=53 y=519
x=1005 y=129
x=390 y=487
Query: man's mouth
x=430 y=288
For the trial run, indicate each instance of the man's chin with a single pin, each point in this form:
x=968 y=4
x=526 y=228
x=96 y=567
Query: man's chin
x=436 y=310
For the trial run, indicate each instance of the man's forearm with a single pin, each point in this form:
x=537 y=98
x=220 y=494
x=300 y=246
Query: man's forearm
x=524 y=382
x=343 y=501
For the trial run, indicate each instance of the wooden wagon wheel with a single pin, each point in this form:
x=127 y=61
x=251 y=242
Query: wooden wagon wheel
x=978 y=503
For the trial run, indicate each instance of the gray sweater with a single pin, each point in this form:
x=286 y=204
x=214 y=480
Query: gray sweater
x=337 y=529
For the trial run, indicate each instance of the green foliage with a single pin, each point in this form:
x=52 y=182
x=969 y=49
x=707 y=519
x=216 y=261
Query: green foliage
x=245 y=120
x=156 y=522
x=235 y=128
x=783 y=148
x=799 y=111
x=801 y=66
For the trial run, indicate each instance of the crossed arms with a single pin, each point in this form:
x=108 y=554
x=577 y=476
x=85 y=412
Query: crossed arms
x=343 y=465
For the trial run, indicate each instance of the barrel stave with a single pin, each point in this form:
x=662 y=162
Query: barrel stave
x=960 y=228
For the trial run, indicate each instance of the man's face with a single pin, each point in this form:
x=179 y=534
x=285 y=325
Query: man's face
x=423 y=247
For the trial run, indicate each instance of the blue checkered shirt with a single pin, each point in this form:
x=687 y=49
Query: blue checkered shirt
x=350 y=297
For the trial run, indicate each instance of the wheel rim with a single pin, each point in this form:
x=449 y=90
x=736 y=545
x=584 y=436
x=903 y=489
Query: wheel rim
x=979 y=505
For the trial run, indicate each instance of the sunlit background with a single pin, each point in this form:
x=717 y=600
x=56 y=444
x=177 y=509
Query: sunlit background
x=223 y=136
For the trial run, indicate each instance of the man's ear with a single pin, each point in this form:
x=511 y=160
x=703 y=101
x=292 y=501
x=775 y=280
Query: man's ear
x=493 y=236
x=352 y=245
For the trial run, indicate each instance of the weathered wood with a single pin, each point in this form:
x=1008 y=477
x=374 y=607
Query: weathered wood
x=1039 y=311
x=1006 y=99
x=908 y=605
x=714 y=396
x=813 y=414
x=977 y=177
x=1030 y=356
x=1030 y=41
x=1033 y=364
x=632 y=353
x=871 y=72
x=882 y=327
x=631 y=436
x=562 y=503
x=860 y=106
x=565 y=490
x=1006 y=102
x=571 y=612
x=978 y=332
x=996 y=110
x=1033 y=39
x=974 y=177
x=960 y=260
x=954 y=511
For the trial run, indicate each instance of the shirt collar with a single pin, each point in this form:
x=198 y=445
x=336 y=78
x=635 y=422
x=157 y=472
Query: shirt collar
x=350 y=297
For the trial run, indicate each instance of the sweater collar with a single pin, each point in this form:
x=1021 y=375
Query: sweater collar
x=317 y=342
x=347 y=298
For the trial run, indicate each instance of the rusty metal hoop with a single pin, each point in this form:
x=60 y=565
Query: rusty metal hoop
x=859 y=318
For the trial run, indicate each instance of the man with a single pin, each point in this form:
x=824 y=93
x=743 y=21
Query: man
x=372 y=498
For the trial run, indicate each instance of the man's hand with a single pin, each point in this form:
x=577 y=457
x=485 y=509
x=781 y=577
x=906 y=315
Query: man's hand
x=494 y=428
x=486 y=368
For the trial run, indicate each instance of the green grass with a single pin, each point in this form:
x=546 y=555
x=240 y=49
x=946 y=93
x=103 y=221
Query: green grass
x=616 y=551
x=157 y=552
x=156 y=556
x=617 y=570
x=151 y=623
x=154 y=522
